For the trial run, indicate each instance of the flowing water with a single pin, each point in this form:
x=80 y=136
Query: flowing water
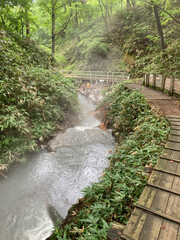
x=56 y=178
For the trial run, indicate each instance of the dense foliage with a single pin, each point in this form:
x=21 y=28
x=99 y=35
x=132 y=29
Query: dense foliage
x=102 y=34
x=34 y=97
x=135 y=32
x=114 y=196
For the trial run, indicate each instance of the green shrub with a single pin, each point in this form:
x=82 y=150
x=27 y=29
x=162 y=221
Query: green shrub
x=33 y=98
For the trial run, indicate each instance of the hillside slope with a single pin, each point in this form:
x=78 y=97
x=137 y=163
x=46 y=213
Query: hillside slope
x=34 y=97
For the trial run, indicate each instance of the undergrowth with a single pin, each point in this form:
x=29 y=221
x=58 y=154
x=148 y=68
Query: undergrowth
x=34 y=97
x=140 y=134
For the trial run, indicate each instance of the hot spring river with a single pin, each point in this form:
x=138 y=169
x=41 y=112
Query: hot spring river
x=55 y=178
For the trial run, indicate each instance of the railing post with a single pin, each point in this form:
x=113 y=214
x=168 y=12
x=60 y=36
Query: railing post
x=90 y=77
x=171 y=89
x=147 y=79
x=144 y=79
x=154 y=80
x=163 y=81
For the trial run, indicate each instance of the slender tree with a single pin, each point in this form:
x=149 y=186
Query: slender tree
x=159 y=26
x=54 y=8
x=105 y=20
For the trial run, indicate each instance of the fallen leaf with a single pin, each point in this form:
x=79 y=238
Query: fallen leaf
x=163 y=227
x=133 y=153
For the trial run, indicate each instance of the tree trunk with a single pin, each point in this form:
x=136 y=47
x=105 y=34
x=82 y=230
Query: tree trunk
x=22 y=28
x=53 y=29
x=27 y=29
x=133 y=2
x=103 y=15
x=107 y=11
x=3 y=22
x=76 y=17
x=27 y=25
x=159 y=26
x=128 y=4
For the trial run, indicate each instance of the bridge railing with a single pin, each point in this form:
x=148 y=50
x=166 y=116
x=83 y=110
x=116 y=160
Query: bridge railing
x=96 y=76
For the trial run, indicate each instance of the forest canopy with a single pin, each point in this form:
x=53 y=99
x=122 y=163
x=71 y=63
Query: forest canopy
x=141 y=35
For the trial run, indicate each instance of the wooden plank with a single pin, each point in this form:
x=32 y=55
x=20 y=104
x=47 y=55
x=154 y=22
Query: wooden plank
x=166 y=180
x=174 y=124
x=175 y=155
x=175 y=132
x=125 y=237
x=177 y=145
x=166 y=153
x=173 y=149
x=176 y=184
x=174 y=120
x=173 y=207
x=171 y=159
x=173 y=116
x=161 y=163
x=135 y=224
x=115 y=231
x=178 y=169
x=161 y=197
x=165 y=171
x=164 y=189
x=174 y=141
x=174 y=138
x=178 y=235
x=170 y=144
x=155 y=178
x=151 y=228
x=171 y=166
x=169 y=230
x=158 y=213
x=147 y=196
x=175 y=128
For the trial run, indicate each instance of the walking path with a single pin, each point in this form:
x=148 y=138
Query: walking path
x=157 y=214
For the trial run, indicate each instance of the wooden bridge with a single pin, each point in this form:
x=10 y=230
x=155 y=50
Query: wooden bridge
x=97 y=76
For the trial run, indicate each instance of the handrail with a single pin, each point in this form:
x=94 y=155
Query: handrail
x=164 y=82
x=96 y=75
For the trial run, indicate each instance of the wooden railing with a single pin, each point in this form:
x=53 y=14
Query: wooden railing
x=168 y=83
x=97 y=76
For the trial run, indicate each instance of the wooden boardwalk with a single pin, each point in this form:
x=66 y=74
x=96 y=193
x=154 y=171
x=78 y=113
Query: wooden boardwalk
x=157 y=214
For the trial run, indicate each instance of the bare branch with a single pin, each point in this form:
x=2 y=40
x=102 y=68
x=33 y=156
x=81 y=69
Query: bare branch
x=65 y=25
x=62 y=5
x=46 y=6
x=169 y=14
x=152 y=4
